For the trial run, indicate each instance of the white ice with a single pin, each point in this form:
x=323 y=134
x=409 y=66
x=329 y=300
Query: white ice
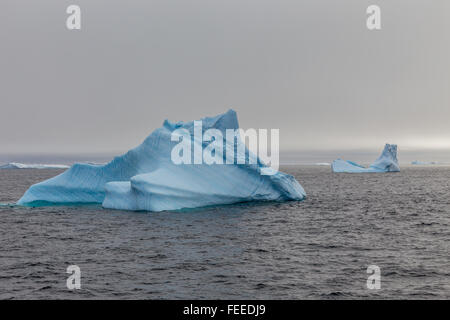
x=15 y=165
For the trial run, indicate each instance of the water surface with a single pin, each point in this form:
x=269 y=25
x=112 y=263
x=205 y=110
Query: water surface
x=316 y=249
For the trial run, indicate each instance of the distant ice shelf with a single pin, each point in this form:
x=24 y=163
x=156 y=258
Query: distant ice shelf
x=386 y=162
x=145 y=178
x=15 y=165
x=424 y=163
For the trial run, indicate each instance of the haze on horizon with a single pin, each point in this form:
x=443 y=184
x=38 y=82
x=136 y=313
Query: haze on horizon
x=309 y=68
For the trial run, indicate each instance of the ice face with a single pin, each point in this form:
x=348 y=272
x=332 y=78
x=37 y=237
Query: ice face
x=386 y=162
x=146 y=178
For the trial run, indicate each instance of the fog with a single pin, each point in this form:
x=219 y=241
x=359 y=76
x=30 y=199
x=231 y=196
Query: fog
x=309 y=68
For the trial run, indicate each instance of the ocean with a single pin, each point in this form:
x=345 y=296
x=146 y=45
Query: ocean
x=319 y=248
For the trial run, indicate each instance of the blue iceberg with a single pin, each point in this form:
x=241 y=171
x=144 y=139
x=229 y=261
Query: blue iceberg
x=424 y=163
x=146 y=178
x=386 y=162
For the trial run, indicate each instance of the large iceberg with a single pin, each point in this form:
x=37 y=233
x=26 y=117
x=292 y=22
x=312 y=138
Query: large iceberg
x=386 y=162
x=146 y=178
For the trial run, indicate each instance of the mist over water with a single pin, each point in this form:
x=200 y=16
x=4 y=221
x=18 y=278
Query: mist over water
x=318 y=248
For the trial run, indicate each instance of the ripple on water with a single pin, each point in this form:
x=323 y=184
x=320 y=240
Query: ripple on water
x=316 y=249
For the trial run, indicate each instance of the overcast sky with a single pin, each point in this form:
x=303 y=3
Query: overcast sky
x=308 y=67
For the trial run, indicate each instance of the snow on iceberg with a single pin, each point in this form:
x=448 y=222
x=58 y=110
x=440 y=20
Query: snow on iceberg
x=15 y=165
x=386 y=162
x=146 y=178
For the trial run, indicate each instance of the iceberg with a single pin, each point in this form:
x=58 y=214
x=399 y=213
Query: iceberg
x=423 y=163
x=15 y=165
x=386 y=162
x=146 y=178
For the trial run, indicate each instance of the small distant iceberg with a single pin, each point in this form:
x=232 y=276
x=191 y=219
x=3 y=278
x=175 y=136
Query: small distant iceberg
x=15 y=165
x=322 y=164
x=424 y=163
x=146 y=178
x=386 y=162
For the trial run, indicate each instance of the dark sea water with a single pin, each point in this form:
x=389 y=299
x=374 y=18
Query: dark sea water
x=316 y=249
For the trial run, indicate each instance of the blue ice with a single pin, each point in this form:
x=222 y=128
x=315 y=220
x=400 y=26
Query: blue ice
x=145 y=178
x=386 y=162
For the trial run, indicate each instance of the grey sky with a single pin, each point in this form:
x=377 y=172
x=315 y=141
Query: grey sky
x=308 y=67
